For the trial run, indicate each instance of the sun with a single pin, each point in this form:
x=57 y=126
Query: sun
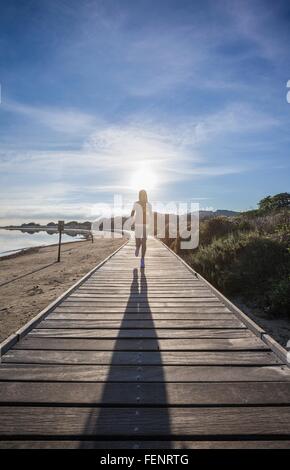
x=143 y=178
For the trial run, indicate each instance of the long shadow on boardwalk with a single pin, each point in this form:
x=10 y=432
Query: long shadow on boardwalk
x=107 y=422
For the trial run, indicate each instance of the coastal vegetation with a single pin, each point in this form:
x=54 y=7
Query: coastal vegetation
x=247 y=256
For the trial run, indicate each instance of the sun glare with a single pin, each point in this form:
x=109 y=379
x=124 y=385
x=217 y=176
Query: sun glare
x=143 y=178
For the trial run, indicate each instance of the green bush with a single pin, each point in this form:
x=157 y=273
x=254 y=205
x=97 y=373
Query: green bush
x=279 y=297
x=218 y=227
x=278 y=201
x=247 y=255
x=269 y=223
x=215 y=227
x=245 y=264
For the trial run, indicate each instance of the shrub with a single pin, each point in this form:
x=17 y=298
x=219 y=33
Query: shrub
x=247 y=255
x=277 y=201
x=215 y=227
x=244 y=264
x=268 y=223
x=279 y=296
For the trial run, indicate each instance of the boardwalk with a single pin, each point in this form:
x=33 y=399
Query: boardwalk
x=144 y=359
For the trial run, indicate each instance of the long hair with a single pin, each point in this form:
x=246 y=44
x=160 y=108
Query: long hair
x=143 y=198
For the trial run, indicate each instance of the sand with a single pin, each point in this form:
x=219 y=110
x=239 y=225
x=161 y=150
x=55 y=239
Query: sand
x=32 y=280
x=276 y=326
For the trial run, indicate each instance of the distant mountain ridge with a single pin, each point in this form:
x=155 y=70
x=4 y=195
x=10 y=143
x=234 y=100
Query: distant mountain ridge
x=219 y=212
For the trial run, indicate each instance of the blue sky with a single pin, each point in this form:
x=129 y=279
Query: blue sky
x=189 y=94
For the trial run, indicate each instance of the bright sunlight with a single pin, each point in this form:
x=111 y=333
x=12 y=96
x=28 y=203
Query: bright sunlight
x=143 y=178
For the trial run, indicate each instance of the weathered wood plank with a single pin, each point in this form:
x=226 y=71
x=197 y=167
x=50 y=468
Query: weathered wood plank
x=143 y=296
x=142 y=333
x=126 y=302
x=146 y=393
x=146 y=444
x=170 y=394
x=153 y=284
x=147 y=309
x=161 y=358
x=137 y=421
x=154 y=289
x=95 y=324
x=252 y=342
x=155 y=275
x=93 y=373
x=140 y=316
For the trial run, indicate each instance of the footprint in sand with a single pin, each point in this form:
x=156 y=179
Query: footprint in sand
x=35 y=290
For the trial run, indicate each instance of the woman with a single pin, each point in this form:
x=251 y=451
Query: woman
x=142 y=210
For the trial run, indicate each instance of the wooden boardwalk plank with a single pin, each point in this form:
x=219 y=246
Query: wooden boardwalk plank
x=142 y=333
x=147 y=309
x=135 y=355
x=160 y=358
x=141 y=316
x=211 y=344
x=142 y=324
x=146 y=444
x=194 y=394
x=143 y=297
x=155 y=289
x=71 y=421
x=154 y=303
x=139 y=374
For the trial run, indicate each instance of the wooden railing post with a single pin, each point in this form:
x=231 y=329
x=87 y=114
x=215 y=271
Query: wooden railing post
x=60 y=229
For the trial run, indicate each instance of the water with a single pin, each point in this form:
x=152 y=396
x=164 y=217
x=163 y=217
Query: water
x=12 y=241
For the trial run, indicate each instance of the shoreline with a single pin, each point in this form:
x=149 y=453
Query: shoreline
x=30 y=281
x=7 y=254
x=32 y=249
x=42 y=228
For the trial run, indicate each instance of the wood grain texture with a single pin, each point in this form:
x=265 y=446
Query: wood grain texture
x=204 y=308
x=160 y=358
x=143 y=359
x=142 y=324
x=147 y=344
x=194 y=394
x=114 y=373
x=136 y=444
x=141 y=333
x=71 y=421
x=140 y=316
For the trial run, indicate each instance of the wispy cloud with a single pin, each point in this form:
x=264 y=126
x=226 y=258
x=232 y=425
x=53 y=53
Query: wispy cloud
x=208 y=171
x=109 y=154
x=237 y=118
x=253 y=21
x=68 y=121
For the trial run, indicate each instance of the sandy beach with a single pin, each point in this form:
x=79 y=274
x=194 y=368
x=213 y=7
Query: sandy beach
x=33 y=279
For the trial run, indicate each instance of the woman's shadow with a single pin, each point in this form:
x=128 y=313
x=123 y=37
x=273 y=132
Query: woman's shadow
x=133 y=406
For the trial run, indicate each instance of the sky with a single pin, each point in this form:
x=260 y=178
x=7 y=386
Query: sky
x=184 y=98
